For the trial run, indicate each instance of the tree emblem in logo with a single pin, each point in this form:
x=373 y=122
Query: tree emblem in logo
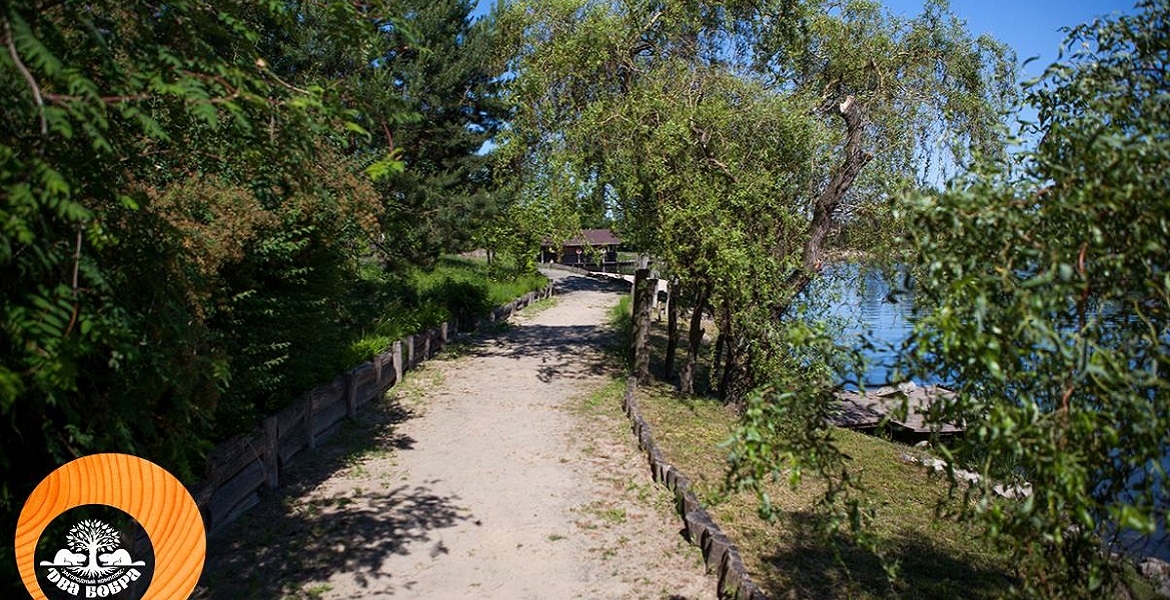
x=102 y=556
x=87 y=539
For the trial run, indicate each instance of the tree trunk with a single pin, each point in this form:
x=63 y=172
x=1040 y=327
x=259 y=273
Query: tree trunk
x=829 y=201
x=694 y=342
x=729 y=366
x=738 y=378
x=644 y=288
x=671 y=330
x=719 y=361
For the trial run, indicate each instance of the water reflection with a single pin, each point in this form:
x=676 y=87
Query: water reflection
x=875 y=312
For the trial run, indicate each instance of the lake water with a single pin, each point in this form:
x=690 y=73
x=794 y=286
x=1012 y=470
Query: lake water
x=863 y=302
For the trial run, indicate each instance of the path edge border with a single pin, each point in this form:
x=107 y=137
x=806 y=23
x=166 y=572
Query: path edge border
x=720 y=555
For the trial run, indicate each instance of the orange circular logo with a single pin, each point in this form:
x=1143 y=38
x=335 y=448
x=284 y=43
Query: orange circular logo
x=110 y=526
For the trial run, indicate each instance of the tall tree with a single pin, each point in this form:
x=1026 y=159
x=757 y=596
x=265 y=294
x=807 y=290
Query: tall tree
x=843 y=100
x=1045 y=297
x=439 y=62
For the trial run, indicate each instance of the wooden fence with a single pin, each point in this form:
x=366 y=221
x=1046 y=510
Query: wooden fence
x=239 y=469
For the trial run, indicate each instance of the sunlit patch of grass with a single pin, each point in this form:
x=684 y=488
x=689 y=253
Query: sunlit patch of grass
x=391 y=306
x=539 y=306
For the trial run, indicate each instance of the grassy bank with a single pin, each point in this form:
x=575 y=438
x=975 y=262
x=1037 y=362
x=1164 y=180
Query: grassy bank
x=793 y=557
x=389 y=306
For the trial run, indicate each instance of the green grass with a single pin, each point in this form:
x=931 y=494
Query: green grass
x=621 y=320
x=539 y=306
x=794 y=557
x=390 y=306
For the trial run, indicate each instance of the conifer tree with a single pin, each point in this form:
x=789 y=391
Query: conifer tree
x=438 y=62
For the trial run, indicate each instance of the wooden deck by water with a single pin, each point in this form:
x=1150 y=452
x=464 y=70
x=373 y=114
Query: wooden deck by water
x=871 y=409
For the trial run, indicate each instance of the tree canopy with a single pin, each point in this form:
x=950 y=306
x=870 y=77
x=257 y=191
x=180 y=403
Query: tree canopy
x=1045 y=298
x=188 y=193
x=729 y=140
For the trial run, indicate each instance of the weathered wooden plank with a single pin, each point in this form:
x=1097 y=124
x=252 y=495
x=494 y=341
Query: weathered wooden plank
x=364 y=373
x=334 y=390
x=370 y=391
x=292 y=442
x=236 y=490
x=388 y=375
x=233 y=513
x=226 y=461
x=329 y=413
x=270 y=458
x=396 y=351
x=290 y=420
x=310 y=418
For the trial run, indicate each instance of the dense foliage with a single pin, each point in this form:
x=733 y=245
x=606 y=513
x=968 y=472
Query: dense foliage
x=175 y=168
x=730 y=140
x=445 y=196
x=191 y=193
x=1046 y=300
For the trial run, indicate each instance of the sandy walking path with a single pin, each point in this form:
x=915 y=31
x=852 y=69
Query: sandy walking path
x=501 y=472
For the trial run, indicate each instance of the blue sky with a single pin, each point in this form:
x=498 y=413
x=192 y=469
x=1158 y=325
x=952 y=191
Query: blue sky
x=1030 y=26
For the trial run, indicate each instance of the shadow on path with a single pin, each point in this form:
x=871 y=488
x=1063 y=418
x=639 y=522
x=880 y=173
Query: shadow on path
x=299 y=535
x=581 y=283
x=294 y=538
x=819 y=566
x=558 y=347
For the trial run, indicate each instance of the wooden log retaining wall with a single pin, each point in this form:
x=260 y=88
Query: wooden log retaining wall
x=719 y=554
x=239 y=469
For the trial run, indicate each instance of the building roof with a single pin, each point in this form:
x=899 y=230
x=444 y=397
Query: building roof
x=594 y=237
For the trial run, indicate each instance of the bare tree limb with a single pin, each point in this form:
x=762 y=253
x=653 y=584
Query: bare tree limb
x=28 y=76
x=829 y=200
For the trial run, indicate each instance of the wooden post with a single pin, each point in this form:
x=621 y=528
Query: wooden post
x=644 y=287
x=310 y=419
x=351 y=399
x=397 y=357
x=410 y=358
x=271 y=455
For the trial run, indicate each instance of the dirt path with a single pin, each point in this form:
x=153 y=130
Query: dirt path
x=506 y=471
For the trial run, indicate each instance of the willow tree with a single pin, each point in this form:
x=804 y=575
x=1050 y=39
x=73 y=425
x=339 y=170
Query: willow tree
x=892 y=97
x=1046 y=301
x=730 y=139
x=622 y=101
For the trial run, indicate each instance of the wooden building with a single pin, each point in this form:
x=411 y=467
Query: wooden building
x=594 y=249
